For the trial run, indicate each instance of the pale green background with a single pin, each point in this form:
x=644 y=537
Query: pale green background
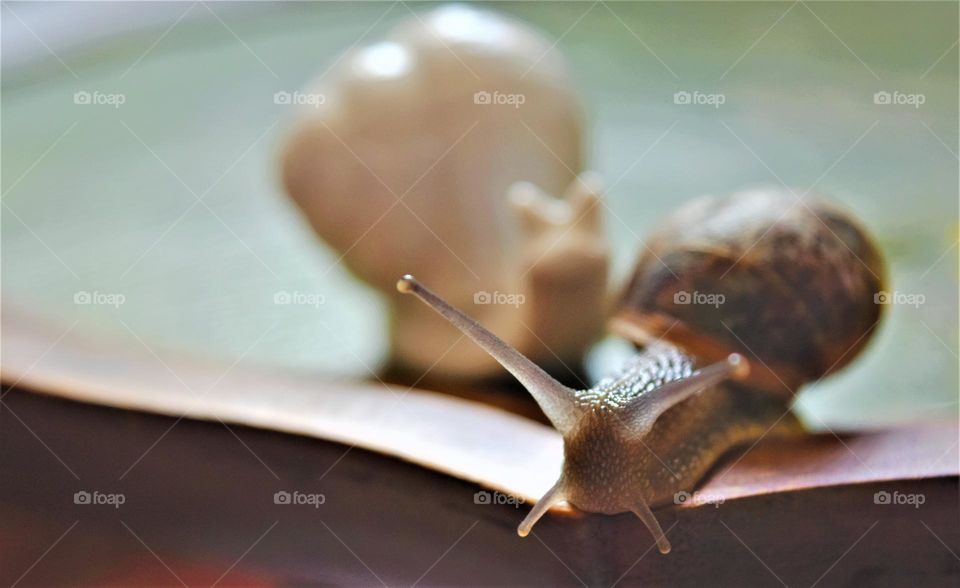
x=799 y=98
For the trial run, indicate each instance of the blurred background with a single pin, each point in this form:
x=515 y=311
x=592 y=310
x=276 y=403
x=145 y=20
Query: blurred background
x=172 y=200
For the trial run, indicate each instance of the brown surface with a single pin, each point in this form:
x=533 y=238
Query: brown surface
x=464 y=439
x=201 y=499
x=200 y=494
x=468 y=440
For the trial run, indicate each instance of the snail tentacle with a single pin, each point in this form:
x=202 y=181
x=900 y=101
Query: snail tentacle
x=553 y=497
x=557 y=401
x=643 y=411
x=643 y=511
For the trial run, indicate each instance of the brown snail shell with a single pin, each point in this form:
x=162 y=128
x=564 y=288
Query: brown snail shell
x=790 y=284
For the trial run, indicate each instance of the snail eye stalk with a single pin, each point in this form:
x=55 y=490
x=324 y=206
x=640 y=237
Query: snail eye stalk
x=557 y=401
x=641 y=412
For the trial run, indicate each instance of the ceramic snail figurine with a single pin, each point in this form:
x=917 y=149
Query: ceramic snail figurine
x=798 y=281
x=413 y=158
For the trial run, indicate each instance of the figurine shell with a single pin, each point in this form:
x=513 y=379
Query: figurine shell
x=411 y=160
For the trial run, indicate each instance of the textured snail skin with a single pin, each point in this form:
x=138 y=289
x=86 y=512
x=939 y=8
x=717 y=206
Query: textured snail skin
x=614 y=464
x=797 y=280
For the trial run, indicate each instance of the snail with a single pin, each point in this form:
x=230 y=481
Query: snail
x=798 y=280
x=449 y=146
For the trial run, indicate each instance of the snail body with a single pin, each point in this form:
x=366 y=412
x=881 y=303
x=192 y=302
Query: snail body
x=636 y=439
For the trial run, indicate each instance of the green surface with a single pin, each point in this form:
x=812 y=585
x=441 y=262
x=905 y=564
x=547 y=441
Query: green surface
x=101 y=211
